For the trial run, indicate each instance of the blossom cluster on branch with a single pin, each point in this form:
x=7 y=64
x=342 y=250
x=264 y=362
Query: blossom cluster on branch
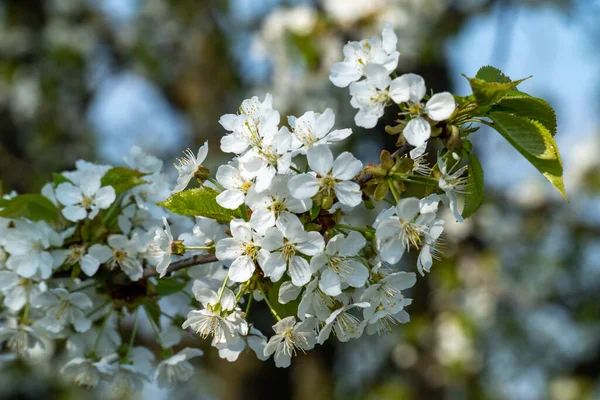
x=101 y=246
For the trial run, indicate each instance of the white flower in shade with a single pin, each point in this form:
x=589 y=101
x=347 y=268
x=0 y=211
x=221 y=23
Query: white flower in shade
x=89 y=259
x=345 y=325
x=452 y=181
x=176 y=368
x=410 y=88
x=288 y=339
x=143 y=161
x=430 y=249
x=19 y=338
x=236 y=183
x=333 y=177
x=132 y=217
x=277 y=202
x=339 y=265
x=29 y=248
x=87 y=373
x=131 y=376
x=255 y=121
x=189 y=166
x=407 y=228
x=387 y=302
x=211 y=320
x=370 y=96
x=86 y=199
x=63 y=308
x=17 y=290
x=246 y=249
x=290 y=256
x=84 y=170
x=314 y=302
x=312 y=129
x=358 y=55
x=125 y=256
x=162 y=248
x=254 y=340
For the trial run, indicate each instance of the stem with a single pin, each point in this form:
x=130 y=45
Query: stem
x=389 y=202
x=155 y=329
x=199 y=247
x=296 y=170
x=133 y=332
x=102 y=327
x=164 y=314
x=249 y=304
x=84 y=287
x=214 y=182
x=262 y=291
x=26 y=311
x=181 y=264
x=223 y=288
x=353 y=228
x=95 y=310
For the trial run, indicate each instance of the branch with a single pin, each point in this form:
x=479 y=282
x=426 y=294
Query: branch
x=181 y=264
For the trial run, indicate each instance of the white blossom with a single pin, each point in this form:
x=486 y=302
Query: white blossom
x=188 y=166
x=86 y=199
x=288 y=339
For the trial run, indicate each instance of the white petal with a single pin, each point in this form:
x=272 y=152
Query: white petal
x=202 y=152
x=330 y=283
x=89 y=265
x=74 y=213
x=348 y=193
x=299 y=271
x=303 y=186
x=274 y=266
x=352 y=244
x=407 y=87
x=417 y=131
x=288 y=292
x=320 y=159
x=68 y=194
x=339 y=134
x=357 y=274
x=105 y=196
x=231 y=199
x=344 y=73
x=408 y=208
x=228 y=176
x=377 y=75
x=440 y=106
x=346 y=166
x=100 y=252
x=241 y=269
x=390 y=39
x=228 y=249
x=324 y=123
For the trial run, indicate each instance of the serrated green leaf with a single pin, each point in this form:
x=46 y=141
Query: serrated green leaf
x=487 y=93
x=523 y=105
x=534 y=142
x=123 y=179
x=169 y=286
x=475 y=187
x=31 y=206
x=491 y=74
x=199 y=202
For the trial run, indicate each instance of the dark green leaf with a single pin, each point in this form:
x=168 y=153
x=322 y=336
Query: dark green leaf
x=57 y=179
x=475 y=187
x=491 y=74
x=169 y=286
x=122 y=179
x=152 y=311
x=31 y=206
x=523 y=105
x=534 y=142
x=200 y=202
x=314 y=211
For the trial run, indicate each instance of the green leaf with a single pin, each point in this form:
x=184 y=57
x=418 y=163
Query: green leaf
x=123 y=179
x=314 y=211
x=200 y=202
x=152 y=311
x=487 y=93
x=57 y=179
x=283 y=310
x=31 y=206
x=475 y=187
x=534 y=142
x=523 y=105
x=169 y=286
x=491 y=74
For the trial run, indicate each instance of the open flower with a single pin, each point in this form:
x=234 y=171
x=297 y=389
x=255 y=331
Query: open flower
x=176 y=368
x=410 y=88
x=345 y=325
x=125 y=256
x=162 y=246
x=89 y=259
x=290 y=256
x=236 y=182
x=370 y=96
x=312 y=129
x=290 y=337
x=339 y=264
x=245 y=249
x=358 y=55
x=452 y=181
x=333 y=177
x=63 y=308
x=191 y=166
x=86 y=199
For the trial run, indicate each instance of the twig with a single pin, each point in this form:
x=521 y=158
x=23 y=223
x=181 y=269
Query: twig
x=181 y=264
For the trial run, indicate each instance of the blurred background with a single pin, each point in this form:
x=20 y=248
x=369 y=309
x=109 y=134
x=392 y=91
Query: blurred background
x=512 y=311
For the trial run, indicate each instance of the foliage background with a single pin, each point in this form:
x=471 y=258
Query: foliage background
x=510 y=312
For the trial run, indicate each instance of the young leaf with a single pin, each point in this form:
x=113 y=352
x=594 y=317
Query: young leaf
x=169 y=286
x=31 y=206
x=523 y=105
x=152 y=310
x=487 y=93
x=475 y=187
x=57 y=179
x=491 y=74
x=200 y=202
x=122 y=179
x=534 y=142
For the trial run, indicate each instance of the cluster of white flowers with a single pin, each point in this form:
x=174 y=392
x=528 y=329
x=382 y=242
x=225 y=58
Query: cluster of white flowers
x=271 y=228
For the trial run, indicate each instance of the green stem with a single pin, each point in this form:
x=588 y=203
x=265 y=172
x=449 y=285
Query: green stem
x=393 y=190
x=391 y=203
x=102 y=327
x=155 y=329
x=26 y=311
x=249 y=304
x=296 y=170
x=95 y=310
x=166 y=315
x=133 y=333
x=84 y=287
x=262 y=291
x=214 y=182
x=354 y=228
x=223 y=288
x=199 y=247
